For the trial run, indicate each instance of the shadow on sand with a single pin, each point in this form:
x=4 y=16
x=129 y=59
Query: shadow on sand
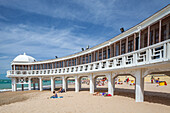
x=152 y=97
x=149 y=96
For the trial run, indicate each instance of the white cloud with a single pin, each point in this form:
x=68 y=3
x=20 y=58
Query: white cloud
x=3 y=18
x=41 y=41
x=93 y=11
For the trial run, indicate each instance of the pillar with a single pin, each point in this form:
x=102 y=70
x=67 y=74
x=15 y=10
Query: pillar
x=41 y=84
x=64 y=83
x=160 y=22
x=76 y=84
x=29 y=83
x=139 y=40
x=14 y=85
x=52 y=84
x=91 y=84
x=139 y=93
x=110 y=84
x=149 y=35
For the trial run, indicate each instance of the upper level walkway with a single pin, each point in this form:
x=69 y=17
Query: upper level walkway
x=142 y=58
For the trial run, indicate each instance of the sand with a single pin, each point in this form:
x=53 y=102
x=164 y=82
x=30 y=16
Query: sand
x=156 y=101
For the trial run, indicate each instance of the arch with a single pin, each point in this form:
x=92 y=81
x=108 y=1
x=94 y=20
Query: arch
x=125 y=85
x=84 y=85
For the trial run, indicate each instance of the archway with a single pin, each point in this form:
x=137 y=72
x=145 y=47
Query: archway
x=84 y=84
x=70 y=83
x=157 y=87
x=100 y=83
x=125 y=85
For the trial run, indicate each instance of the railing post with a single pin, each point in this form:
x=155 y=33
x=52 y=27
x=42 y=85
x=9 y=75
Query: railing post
x=164 y=51
x=168 y=50
x=147 y=56
x=124 y=61
x=135 y=58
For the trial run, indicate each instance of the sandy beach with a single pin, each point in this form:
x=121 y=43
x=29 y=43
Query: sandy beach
x=157 y=99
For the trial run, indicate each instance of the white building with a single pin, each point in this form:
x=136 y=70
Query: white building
x=143 y=49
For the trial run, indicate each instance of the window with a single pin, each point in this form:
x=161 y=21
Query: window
x=96 y=58
x=163 y=33
x=100 y=55
x=151 y=38
x=89 y=58
x=130 y=44
x=156 y=35
x=80 y=60
x=108 y=53
x=83 y=59
x=104 y=54
x=123 y=47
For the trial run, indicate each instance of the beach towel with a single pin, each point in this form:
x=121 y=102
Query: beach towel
x=57 y=97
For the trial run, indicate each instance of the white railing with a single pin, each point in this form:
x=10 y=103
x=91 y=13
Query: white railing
x=159 y=52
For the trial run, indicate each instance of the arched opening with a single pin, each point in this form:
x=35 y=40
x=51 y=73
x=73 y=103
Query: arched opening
x=70 y=83
x=21 y=83
x=100 y=83
x=125 y=85
x=157 y=87
x=57 y=83
x=84 y=83
x=35 y=83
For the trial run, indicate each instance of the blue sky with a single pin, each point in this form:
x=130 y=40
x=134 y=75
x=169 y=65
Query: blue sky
x=48 y=28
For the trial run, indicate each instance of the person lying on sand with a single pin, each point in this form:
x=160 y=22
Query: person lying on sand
x=101 y=94
x=54 y=95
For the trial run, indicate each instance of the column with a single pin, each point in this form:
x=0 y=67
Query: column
x=52 y=84
x=126 y=44
x=91 y=84
x=120 y=47
x=139 y=93
x=148 y=35
x=139 y=39
x=110 y=84
x=107 y=52
x=102 y=53
x=111 y=51
x=41 y=84
x=160 y=22
x=64 y=83
x=76 y=84
x=134 y=42
x=14 y=85
x=29 y=83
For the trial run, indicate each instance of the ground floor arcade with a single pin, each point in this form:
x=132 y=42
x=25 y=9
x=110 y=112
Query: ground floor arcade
x=138 y=75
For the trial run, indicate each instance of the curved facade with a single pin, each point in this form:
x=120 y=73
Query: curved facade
x=141 y=50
